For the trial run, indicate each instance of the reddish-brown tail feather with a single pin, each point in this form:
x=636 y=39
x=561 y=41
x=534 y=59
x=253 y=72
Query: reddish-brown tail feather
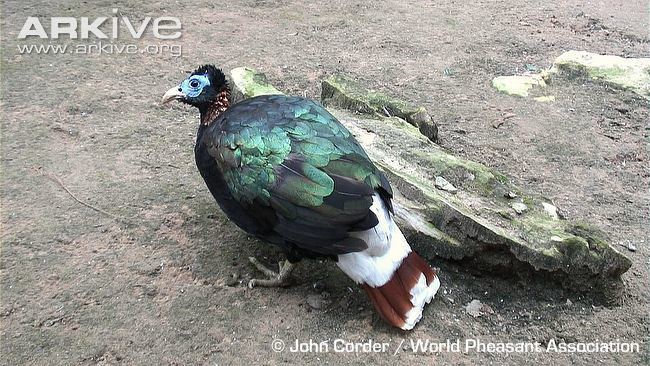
x=400 y=300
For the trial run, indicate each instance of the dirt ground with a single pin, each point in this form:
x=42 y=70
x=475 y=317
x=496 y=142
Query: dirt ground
x=166 y=285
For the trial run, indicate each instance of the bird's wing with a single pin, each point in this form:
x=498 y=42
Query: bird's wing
x=296 y=158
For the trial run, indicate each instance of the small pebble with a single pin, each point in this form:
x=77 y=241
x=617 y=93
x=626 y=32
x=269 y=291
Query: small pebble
x=629 y=245
x=232 y=280
x=551 y=210
x=519 y=207
x=319 y=286
x=442 y=184
x=316 y=301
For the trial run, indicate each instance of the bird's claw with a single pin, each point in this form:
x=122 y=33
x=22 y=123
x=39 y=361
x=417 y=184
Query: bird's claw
x=276 y=279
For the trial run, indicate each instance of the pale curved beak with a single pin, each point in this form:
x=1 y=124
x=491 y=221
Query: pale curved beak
x=172 y=94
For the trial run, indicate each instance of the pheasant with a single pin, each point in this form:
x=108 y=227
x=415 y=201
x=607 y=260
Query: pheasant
x=283 y=169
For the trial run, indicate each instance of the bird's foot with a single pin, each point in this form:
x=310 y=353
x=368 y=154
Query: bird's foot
x=276 y=279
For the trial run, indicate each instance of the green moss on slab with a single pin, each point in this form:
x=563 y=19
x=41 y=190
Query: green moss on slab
x=596 y=239
x=348 y=94
x=505 y=214
x=625 y=73
x=581 y=246
x=251 y=83
x=433 y=160
x=518 y=85
x=441 y=162
x=343 y=92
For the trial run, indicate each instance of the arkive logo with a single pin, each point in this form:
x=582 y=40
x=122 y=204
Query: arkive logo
x=84 y=27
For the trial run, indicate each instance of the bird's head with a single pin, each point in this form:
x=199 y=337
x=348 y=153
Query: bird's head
x=202 y=89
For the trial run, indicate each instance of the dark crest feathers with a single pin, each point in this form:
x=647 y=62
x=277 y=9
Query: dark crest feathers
x=216 y=76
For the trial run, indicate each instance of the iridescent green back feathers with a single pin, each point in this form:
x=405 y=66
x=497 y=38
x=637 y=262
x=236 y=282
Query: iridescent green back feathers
x=291 y=150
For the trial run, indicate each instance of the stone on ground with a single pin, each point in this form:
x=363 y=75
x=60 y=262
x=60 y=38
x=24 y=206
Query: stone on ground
x=625 y=73
x=518 y=85
x=343 y=92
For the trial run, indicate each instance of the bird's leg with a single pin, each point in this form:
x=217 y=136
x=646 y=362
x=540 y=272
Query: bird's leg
x=276 y=279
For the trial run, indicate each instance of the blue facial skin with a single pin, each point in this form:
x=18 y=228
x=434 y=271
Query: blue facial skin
x=193 y=86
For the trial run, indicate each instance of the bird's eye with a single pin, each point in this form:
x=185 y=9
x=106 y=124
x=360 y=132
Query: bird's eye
x=194 y=83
